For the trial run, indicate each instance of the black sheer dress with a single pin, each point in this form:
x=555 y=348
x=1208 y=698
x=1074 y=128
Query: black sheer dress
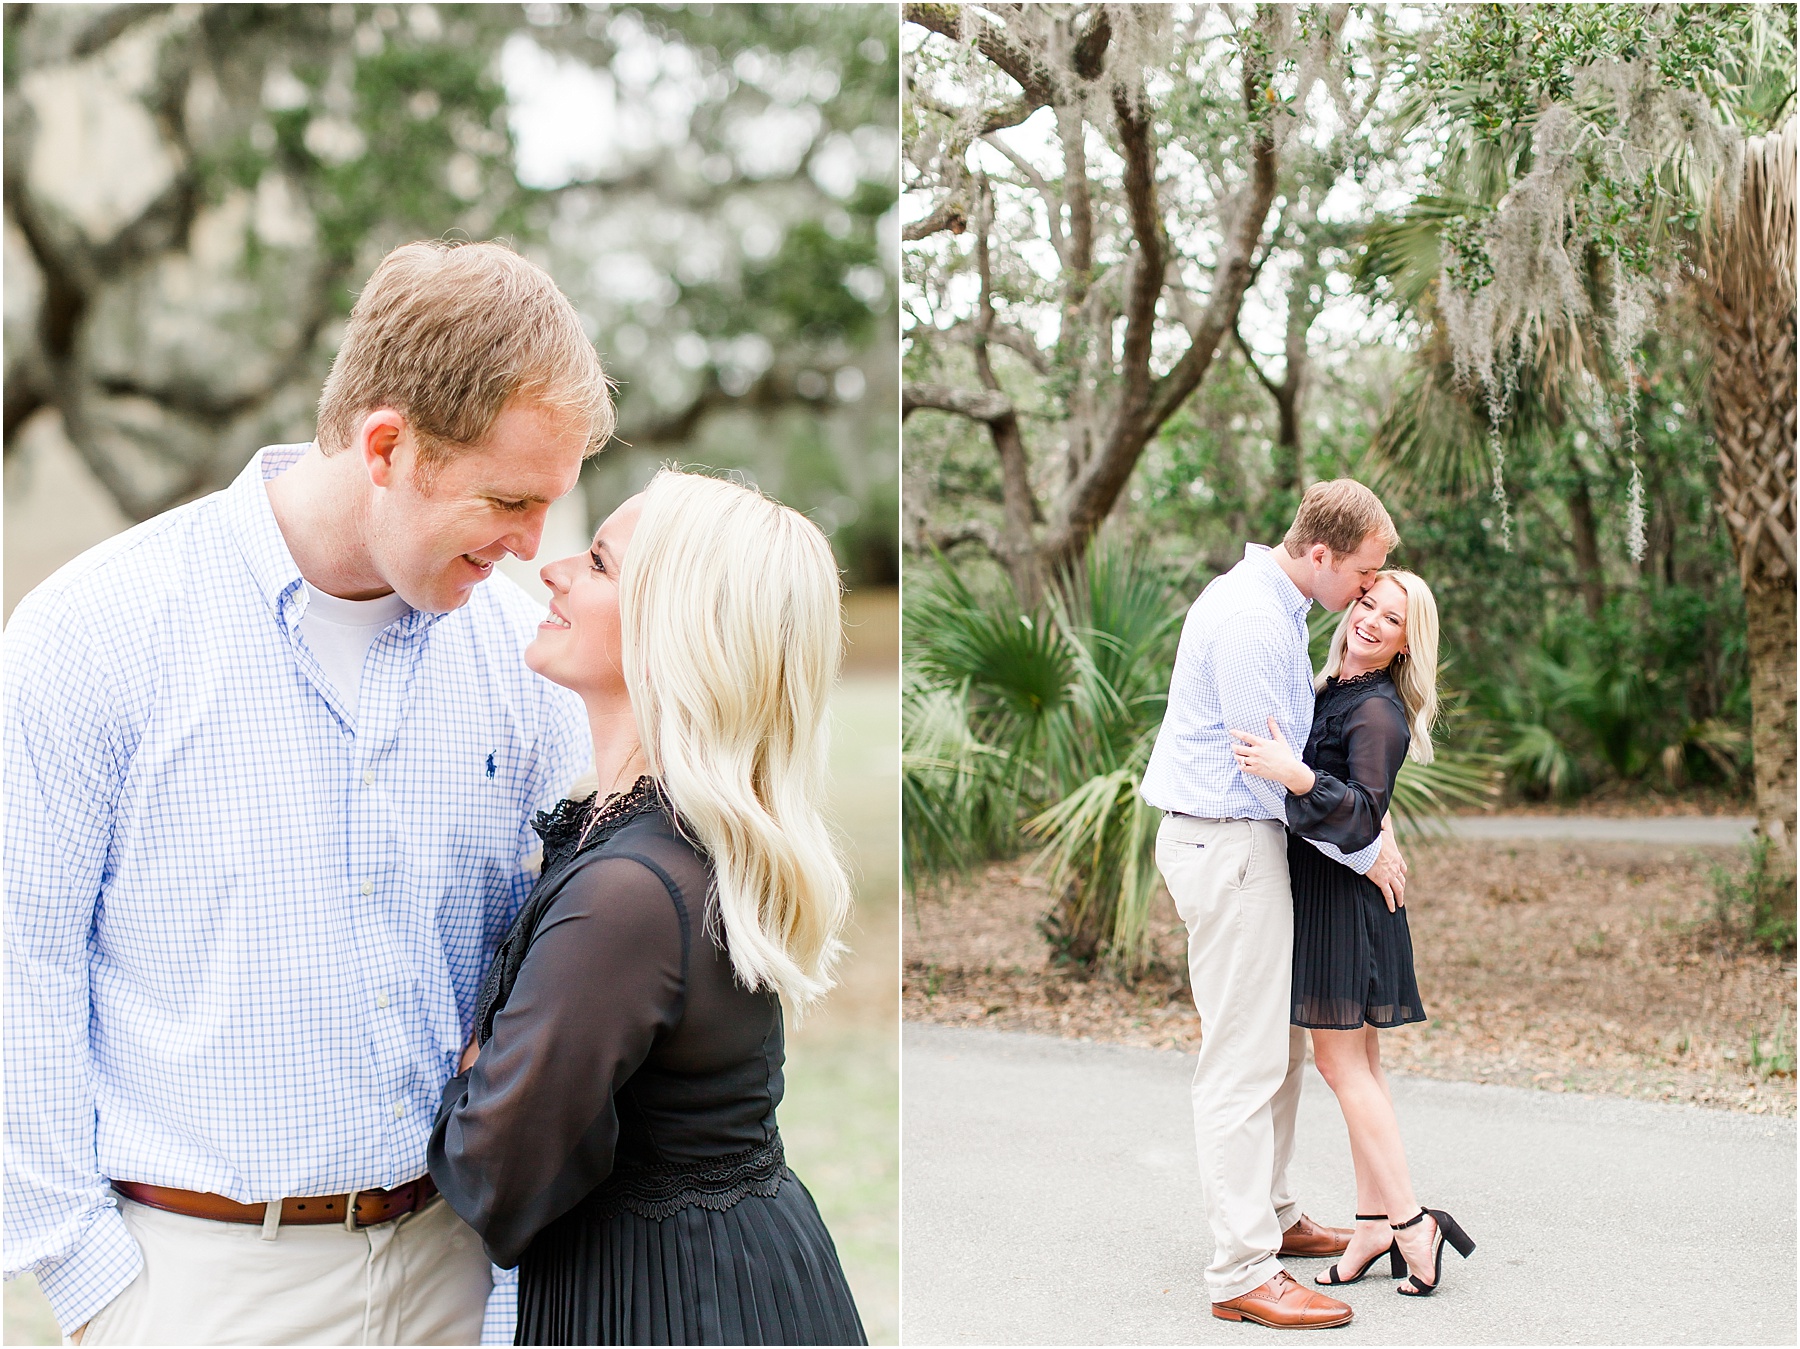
x=616 y=1139
x=1353 y=960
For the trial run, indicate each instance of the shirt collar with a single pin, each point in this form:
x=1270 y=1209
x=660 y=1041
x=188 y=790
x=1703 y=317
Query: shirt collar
x=259 y=537
x=1261 y=555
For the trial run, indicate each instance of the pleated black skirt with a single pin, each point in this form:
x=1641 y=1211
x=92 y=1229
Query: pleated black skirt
x=1353 y=960
x=763 y=1271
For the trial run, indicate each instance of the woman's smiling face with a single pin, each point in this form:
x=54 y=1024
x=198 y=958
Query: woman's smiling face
x=1377 y=625
x=579 y=645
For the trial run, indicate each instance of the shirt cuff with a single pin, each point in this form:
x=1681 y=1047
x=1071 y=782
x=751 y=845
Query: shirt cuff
x=1359 y=862
x=103 y=1265
x=500 y=1322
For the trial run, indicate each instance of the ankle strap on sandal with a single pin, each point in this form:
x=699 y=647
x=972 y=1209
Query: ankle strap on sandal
x=1417 y=1218
x=1371 y=1217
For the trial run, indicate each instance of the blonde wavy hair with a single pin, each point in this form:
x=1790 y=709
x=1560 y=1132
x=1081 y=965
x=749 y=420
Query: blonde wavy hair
x=1415 y=672
x=732 y=636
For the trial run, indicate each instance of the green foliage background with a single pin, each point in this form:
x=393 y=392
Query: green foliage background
x=725 y=225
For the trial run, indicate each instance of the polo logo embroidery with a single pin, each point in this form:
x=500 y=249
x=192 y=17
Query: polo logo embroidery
x=490 y=767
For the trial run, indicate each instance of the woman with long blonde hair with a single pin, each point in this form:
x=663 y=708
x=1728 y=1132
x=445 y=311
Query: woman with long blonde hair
x=613 y=1130
x=1375 y=703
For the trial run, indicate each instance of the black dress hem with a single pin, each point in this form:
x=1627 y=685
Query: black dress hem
x=1378 y=1025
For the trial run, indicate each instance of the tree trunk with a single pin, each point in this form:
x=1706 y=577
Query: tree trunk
x=1290 y=402
x=1146 y=401
x=1113 y=405
x=1015 y=466
x=1746 y=289
x=1770 y=610
x=1074 y=930
x=1584 y=541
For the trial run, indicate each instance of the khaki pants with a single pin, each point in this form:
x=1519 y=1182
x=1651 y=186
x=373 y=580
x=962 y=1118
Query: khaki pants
x=1229 y=879
x=421 y=1279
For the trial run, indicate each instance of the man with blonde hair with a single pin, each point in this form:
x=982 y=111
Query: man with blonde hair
x=271 y=759
x=1222 y=850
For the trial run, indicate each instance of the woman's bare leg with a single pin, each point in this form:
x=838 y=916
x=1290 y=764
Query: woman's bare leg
x=1416 y=1241
x=1370 y=1238
x=1350 y=1063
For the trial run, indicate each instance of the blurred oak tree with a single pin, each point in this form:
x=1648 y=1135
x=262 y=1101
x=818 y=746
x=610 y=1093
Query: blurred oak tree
x=193 y=191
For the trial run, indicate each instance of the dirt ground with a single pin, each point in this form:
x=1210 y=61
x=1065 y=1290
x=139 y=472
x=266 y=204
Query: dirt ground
x=1584 y=967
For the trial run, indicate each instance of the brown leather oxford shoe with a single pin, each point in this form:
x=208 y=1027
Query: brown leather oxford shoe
x=1310 y=1240
x=1282 y=1304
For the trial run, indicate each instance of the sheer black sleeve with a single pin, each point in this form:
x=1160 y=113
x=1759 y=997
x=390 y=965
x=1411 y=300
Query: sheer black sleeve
x=1348 y=813
x=530 y=1130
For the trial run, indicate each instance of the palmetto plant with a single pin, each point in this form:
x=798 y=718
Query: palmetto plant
x=1581 y=709
x=954 y=795
x=1424 y=794
x=1007 y=671
x=1121 y=624
x=1535 y=754
x=1038 y=725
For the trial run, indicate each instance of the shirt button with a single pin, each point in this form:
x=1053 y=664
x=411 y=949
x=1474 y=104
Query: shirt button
x=369 y=778
x=399 y=1109
x=381 y=1000
x=368 y=887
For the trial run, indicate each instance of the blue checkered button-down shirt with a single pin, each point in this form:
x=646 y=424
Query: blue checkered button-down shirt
x=245 y=931
x=1242 y=658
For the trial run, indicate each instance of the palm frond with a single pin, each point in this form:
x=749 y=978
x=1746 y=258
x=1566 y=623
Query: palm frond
x=1430 y=438
x=959 y=795
x=1424 y=794
x=1013 y=659
x=1101 y=851
x=1404 y=251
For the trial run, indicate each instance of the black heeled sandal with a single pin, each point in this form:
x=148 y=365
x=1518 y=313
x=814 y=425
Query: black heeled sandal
x=1396 y=1261
x=1447 y=1230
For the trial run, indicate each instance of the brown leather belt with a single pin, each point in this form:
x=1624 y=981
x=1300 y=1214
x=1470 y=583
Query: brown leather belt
x=372 y=1206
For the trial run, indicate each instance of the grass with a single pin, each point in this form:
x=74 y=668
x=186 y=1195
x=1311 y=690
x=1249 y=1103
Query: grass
x=839 y=1126
x=1747 y=901
x=840 y=1119
x=1773 y=1057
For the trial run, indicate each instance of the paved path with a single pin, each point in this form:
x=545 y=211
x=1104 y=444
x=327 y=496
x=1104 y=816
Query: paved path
x=1050 y=1197
x=1675 y=830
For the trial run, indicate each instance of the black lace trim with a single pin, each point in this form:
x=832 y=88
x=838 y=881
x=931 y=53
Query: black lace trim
x=1354 y=681
x=571 y=826
x=662 y=1191
x=567 y=819
x=562 y=821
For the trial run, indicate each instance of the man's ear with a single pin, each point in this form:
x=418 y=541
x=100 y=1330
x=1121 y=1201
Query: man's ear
x=378 y=441
x=1320 y=556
